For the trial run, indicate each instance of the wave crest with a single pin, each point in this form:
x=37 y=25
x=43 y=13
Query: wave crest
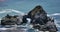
x=11 y=10
x=54 y=14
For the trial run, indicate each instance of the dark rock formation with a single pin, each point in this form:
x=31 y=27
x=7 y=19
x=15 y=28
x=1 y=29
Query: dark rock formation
x=36 y=10
x=24 y=19
x=39 y=20
x=9 y=20
x=39 y=16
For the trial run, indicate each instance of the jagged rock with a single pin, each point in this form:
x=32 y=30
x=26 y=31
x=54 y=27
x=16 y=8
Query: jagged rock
x=24 y=19
x=39 y=20
x=39 y=16
x=9 y=20
x=37 y=9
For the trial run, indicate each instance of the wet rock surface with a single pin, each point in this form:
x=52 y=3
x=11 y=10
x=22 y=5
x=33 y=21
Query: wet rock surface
x=39 y=20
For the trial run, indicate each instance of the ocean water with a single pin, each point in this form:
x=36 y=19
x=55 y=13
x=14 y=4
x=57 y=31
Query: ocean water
x=21 y=7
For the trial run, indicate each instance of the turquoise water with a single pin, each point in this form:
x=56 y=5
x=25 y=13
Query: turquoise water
x=52 y=7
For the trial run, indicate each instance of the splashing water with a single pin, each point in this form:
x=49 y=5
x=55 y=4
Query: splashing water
x=7 y=11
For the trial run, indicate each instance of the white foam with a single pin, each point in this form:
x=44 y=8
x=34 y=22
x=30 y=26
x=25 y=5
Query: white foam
x=57 y=25
x=54 y=14
x=19 y=12
x=4 y=12
x=56 y=21
x=7 y=28
x=11 y=10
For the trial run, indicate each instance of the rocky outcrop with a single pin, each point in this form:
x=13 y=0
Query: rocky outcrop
x=38 y=14
x=9 y=20
x=40 y=19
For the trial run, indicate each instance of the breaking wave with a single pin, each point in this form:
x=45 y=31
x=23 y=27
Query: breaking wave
x=56 y=23
x=22 y=13
x=11 y=10
x=54 y=14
